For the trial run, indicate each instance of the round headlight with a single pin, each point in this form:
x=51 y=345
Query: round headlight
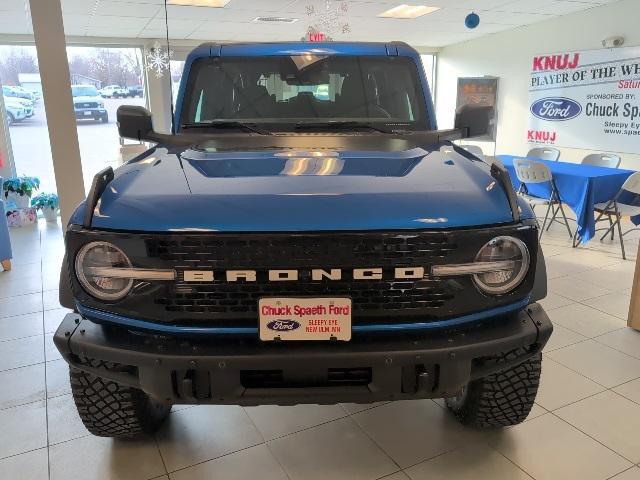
x=94 y=256
x=514 y=253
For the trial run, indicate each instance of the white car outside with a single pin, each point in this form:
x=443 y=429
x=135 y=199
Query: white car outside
x=26 y=104
x=15 y=111
x=114 y=91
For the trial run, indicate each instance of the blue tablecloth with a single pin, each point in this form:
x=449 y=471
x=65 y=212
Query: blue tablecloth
x=580 y=187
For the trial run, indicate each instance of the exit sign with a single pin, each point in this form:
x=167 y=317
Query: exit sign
x=316 y=37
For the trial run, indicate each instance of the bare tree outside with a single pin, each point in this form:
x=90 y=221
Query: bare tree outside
x=16 y=60
x=108 y=66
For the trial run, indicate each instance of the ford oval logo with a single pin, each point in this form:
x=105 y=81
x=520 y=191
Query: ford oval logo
x=556 y=109
x=283 y=325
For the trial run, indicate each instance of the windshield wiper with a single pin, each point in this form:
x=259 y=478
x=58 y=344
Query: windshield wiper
x=347 y=124
x=226 y=124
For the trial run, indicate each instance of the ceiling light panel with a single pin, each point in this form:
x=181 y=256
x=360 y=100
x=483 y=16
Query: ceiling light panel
x=200 y=3
x=275 y=20
x=408 y=11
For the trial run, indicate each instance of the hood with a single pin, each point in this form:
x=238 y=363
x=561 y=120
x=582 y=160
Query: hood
x=206 y=189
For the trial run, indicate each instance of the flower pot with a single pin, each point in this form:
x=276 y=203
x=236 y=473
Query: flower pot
x=21 y=201
x=50 y=214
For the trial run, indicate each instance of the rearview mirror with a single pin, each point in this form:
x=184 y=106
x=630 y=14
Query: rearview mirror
x=135 y=123
x=475 y=121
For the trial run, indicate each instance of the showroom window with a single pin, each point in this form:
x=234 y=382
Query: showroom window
x=102 y=79
x=429 y=64
x=22 y=95
x=177 y=66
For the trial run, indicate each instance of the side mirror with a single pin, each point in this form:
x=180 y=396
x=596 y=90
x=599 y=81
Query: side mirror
x=475 y=121
x=135 y=123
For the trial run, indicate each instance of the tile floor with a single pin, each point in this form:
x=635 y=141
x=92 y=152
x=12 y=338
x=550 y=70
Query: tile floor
x=586 y=423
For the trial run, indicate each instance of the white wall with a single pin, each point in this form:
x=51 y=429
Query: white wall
x=508 y=55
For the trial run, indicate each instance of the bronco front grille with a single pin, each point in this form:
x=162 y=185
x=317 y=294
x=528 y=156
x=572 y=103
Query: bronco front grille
x=222 y=303
x=260 y=253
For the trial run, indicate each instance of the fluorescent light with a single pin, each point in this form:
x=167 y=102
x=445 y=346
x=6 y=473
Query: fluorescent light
x=275 y=20
x=408 y=11
x=201 y=3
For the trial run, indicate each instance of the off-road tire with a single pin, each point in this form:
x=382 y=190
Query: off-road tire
x=109 y=409
x=501 y=399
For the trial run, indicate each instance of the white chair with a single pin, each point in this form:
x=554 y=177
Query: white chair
x=544 y=153
x=615 y=209
x=602 y=160
x=474 y=150
x=531 y=172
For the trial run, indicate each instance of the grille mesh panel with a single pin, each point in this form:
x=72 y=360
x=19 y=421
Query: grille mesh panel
x=220 y=299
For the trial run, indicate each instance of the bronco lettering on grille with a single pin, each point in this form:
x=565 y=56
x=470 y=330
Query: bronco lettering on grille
x=316 y=274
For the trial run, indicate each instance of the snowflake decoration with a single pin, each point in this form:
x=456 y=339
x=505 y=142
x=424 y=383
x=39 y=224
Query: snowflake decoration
x=157 y=59
x=329 y=20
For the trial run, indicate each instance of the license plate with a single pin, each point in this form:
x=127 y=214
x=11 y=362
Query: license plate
x=305 y=319
x=88 y=114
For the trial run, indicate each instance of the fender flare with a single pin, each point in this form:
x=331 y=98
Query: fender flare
x=65 y=293
x=539 y=290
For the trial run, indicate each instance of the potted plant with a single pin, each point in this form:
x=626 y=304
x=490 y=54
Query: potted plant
x=48 y=203
x=20 y=190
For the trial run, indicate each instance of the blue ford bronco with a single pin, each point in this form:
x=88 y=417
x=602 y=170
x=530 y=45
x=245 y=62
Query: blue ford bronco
x=305 y=234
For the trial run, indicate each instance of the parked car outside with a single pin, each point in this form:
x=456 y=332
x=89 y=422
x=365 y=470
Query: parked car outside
x=135 y=91
x=17 y=92
x=114 y=91
x=27 y=105
x=15 y=110
x=24 y=93
x=87 y=103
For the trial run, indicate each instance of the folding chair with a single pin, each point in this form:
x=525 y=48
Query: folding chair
x=602 y=160
x=544 y=153
x=617 y=209
x=531 y=172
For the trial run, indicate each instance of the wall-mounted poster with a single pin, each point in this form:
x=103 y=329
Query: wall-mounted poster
x=588 y=99
x=479 y=92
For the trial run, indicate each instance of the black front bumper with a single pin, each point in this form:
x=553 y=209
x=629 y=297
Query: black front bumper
x=247 y=372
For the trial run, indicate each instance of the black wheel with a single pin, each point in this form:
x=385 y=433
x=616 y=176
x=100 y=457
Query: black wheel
x=104 y=119
x=109 y=409
x=10 y=119
x=501 y=399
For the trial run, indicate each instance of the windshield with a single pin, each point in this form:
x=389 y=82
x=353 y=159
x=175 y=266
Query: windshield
x=84 y=91
x=288 y=91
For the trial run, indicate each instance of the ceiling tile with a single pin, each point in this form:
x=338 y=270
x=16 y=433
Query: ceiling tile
x=13 y=5
x=110 y=21
x=145 y=18
x=16 y=28
x=127 y=9
x=77 y=7
x=115 y=32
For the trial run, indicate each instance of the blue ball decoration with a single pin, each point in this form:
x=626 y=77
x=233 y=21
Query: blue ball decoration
x=472 y=20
